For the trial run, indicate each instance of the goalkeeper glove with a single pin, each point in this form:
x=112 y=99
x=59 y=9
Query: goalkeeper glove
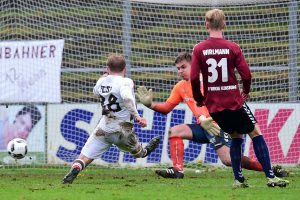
x=208 y=125
x=145 y=96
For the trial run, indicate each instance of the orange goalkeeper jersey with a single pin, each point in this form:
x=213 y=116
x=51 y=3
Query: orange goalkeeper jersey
x=182 y=91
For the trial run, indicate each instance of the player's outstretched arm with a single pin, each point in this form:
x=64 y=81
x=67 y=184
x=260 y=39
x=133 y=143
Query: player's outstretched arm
x=129 y=103
x=145 y=96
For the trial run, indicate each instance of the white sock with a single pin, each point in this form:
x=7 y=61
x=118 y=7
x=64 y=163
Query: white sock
x=78 y=164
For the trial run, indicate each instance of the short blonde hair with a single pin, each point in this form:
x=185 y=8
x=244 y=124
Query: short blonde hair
x=116 y=62
x=215 y=19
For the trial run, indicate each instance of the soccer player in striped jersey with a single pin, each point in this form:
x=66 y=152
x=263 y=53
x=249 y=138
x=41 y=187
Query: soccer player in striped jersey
x=116 y=95
x=217 y=59
x=203 y=132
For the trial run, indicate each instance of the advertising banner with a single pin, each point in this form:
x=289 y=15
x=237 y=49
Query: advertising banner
x=69 y=126
x=26 y=122
x=30 y=71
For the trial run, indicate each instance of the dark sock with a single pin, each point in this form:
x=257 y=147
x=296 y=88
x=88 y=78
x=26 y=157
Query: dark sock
x=262 y=154
x=236 y=158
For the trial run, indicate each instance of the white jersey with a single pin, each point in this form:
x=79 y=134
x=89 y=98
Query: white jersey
x=110 y=90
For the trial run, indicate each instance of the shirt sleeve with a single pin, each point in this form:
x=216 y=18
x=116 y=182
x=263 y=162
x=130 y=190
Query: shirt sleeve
x=127 y=94
x=163 y=108
x=175 y=97
x=243 y=70
x=126 y=90
x=96 y=89
x=195 y=78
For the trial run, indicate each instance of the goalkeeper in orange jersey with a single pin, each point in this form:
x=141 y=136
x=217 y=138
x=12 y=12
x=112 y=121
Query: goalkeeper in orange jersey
x=205 y=131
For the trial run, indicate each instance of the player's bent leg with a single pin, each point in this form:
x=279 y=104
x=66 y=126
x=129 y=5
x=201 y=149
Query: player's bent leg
x=224 y=155
x=176 y=136
x=128 y=141
x=183 y=131
x=151 y=146
x=70 y=176
x=140 y=152
x=177 y=151
x=77 y=166
x=93 y=148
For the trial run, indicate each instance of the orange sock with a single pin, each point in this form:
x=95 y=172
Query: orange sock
x=177 y=151
x=248 y=163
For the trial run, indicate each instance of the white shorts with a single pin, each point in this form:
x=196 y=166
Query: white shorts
x=100 y=141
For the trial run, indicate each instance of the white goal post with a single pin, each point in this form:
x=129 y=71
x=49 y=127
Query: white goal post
x=150 y=33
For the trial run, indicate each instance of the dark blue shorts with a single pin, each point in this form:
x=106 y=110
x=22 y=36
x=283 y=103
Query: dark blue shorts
x=203 y=137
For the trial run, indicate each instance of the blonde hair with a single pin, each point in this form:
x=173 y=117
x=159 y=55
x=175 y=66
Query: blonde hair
x=215 y=19
x=116 y=62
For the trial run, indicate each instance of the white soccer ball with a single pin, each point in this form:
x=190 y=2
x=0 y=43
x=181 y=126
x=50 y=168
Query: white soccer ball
x=17 y=148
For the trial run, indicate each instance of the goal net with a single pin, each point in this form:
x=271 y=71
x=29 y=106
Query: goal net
x=150 y=34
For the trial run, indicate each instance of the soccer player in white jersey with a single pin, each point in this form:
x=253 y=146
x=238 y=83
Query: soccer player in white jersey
x=116 y=94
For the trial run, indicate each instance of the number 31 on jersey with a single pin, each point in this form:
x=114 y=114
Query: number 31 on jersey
x=213 y=69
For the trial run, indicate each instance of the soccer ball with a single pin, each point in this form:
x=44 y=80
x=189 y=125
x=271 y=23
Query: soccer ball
x=17 y=148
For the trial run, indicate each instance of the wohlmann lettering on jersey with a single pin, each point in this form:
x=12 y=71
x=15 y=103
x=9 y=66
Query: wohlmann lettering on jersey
x=26 y=52
x=207 y=52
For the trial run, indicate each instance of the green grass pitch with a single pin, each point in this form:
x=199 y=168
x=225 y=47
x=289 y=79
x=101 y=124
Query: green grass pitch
x=116 y=183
